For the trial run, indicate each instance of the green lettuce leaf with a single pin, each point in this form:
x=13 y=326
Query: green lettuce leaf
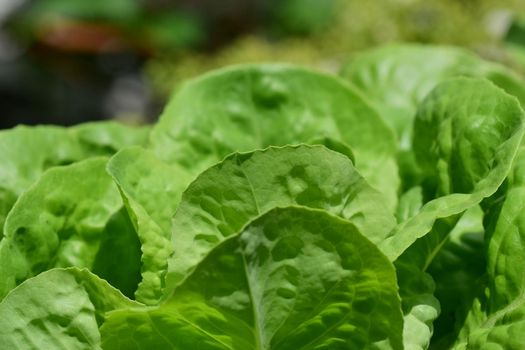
x=497 y=318
x=294 y=278
x=420 y=306
x=409 y=204
x=107 y=137
x=59 y=222
x=467 y=133
x=334 y=145
x=398 y=77
x=230 y=194
x=255 y=106
x=151 y=190
x=26 y=152
x=58 y=309
x=276 y=208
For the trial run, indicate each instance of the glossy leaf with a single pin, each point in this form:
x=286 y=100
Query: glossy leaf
x=467 y=134
x=294 y=278
x=245 y=185
x=255 y=106
x=58 y=309
x=26 y=152
x=58 y=222
x=396 y=80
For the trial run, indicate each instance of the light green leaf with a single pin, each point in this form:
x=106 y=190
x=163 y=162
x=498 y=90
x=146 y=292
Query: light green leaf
x=467 y=133
x=295 y=278
x=58 y=222
x=334 y=145
x=156 y=185
x=409 y=204
x=398 y=77
x=417 y=288
x=59 y=309
x=151 y=191
x=26 y=152
x=107 y=137
x=455 y=266
x=232 y=193
x=420 y=307
x=250 y=107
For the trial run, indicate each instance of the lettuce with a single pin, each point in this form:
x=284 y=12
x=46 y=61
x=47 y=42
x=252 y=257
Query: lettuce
x=276 y=207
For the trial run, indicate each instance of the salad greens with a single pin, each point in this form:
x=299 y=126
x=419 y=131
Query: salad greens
x=276 y=207
x=26 y=152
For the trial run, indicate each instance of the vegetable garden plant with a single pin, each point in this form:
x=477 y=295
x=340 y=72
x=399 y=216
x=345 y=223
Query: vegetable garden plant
x=276 y=207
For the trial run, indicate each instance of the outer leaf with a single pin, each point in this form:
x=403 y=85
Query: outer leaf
x=295 y=278
x=26 y=152
x=232 y=193
x=467 y=133
x=255 y=106
x=58 y=309
x=58 y=222
x=151 y=190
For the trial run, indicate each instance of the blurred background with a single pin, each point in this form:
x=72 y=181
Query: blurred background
x=69 y=61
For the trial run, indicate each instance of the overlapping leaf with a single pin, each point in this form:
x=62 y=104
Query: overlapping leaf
x=151 y=190
x=294 y=278
x=25 y=152
x=255 y=106
x=465 y=150
x=59 y=309
x=232 y=193
x=398 y=77
x=61 y=221
x=280 y=247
